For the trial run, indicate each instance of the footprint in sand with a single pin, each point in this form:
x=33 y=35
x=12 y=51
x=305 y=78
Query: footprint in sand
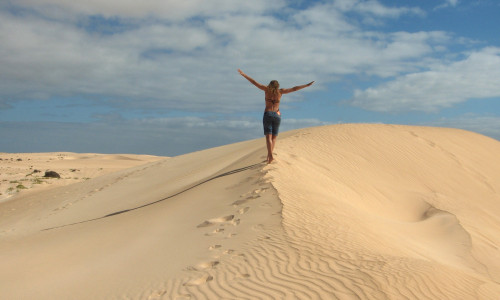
x=242 y=201
x=258 y=227
x=259 y=191
x=206 y=265
x=157 y=295
x=214 y=247
x=216 y=231
x=243 y=210
x=203 y=266
x=200 y=280
x=239 y=257
x=239 y=202
x=214 y=221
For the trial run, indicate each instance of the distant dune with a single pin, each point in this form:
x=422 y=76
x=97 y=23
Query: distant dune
x=23 y=172
x=352 y=211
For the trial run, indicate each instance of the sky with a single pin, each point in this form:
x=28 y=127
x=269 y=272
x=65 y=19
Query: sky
x=160 y=76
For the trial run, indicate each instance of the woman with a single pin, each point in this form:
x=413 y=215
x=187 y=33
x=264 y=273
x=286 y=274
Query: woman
x=272 y=115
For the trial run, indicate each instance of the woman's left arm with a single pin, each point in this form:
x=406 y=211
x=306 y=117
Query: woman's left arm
x=296 y=88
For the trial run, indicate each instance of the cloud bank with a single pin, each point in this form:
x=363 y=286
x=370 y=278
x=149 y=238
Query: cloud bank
x=475 y=77
x=182 y=55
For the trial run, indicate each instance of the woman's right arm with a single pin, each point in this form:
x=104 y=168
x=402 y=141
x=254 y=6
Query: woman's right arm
x=260 y=86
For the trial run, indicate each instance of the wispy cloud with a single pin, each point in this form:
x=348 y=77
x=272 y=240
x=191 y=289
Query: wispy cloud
x=447 y=3
x=444 y=85
x=165 y=9
x=375 y=8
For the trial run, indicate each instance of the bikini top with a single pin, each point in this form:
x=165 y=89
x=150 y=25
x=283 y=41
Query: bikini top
x=273 y=102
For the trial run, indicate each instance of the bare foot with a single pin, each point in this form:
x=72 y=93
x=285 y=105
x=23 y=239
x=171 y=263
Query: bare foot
x=270 y=159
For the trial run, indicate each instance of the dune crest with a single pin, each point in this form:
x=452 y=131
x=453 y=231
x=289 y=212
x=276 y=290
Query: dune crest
x=414 y=204
x=350 y=211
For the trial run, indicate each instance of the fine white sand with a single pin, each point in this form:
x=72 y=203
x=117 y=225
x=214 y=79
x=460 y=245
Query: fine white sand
x=350 y=211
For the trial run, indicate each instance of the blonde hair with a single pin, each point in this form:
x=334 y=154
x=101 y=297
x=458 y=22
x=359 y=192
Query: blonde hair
x=273 y=86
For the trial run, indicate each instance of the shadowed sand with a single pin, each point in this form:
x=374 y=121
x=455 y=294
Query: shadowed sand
x=348 y=211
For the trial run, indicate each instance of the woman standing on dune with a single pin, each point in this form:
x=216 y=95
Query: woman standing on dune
x=272 y=115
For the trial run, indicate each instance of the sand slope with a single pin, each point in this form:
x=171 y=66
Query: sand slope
x=346 y=212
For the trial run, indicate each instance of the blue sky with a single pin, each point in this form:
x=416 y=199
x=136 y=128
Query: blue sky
x=160 y=76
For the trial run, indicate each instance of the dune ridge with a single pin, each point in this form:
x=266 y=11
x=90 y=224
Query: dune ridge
x=351 y=211
x=407 y=200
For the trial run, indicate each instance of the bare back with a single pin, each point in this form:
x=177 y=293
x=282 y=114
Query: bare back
x=272 y=100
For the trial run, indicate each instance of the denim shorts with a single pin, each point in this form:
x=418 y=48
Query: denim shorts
x=271 y=122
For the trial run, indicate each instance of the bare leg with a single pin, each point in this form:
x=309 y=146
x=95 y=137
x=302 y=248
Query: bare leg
x=270 y=146
x=270 y=142
x=273 y=142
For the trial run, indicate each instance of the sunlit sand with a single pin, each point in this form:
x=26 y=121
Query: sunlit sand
x=354 y=211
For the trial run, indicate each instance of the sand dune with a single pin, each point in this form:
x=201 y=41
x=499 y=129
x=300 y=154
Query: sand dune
x=23 y=172
x=345 y=212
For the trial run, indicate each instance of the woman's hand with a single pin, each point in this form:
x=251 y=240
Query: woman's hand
x=260 y=86
x=310 y=83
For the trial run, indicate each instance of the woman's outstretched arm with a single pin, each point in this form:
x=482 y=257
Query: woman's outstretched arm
x=260 y=86
x=296 y=88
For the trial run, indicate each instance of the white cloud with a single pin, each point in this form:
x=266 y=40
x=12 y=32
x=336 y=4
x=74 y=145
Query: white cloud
x=165 y=9
x=164 y=61
x=444 y=85
x=376 y=9
x=447 y=3
x=180 y=10
x=159 y=60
